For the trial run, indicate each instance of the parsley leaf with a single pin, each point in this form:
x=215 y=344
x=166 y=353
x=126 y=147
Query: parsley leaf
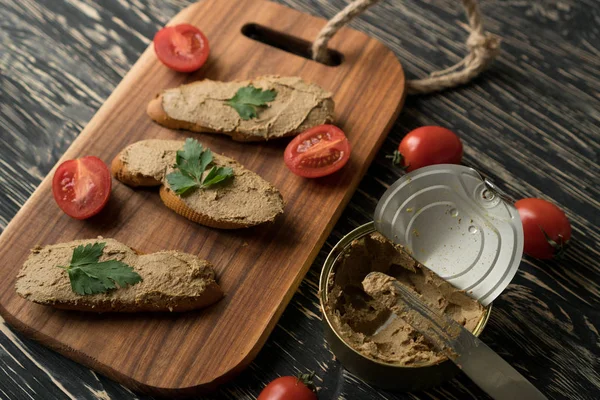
x=180 y=183
x=87 y=254
x=216 y=175
x=89 y=276
x=247 y=100
x=190 y=165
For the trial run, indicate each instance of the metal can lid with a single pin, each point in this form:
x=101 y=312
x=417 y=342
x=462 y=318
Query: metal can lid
x=452 y=222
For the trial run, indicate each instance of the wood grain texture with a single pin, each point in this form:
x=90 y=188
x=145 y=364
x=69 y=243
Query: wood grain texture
x=531 y=122
x=259 y=269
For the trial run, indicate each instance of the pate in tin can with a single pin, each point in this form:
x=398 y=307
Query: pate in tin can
x=373 y=343
x=448 y=219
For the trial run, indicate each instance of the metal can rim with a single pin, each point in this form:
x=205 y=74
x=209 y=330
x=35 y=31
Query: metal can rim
x=335 y=252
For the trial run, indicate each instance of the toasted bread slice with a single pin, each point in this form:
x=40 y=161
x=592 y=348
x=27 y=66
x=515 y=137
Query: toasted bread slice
x=243 y=201
x=202 y=107
x=171 y=280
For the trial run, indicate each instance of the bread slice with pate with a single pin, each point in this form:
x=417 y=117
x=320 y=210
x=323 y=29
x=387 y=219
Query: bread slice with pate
x=242 y=201
x=203 y=107
x=170 y=280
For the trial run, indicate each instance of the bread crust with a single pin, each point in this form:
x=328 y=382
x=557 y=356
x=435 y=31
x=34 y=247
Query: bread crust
x=174 y=202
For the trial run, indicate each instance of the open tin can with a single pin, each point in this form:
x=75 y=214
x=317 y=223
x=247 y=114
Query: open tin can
x=476 y=243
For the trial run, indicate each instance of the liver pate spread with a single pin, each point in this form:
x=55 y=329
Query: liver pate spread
x=172 y=280
x=369 y=326
x=297 y=106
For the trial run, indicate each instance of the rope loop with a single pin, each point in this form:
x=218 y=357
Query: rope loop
x=483 y=48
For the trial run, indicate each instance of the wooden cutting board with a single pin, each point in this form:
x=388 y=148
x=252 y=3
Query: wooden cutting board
x=258 y=268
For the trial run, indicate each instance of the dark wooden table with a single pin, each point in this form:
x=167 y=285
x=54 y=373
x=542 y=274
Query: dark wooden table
x=532 y=123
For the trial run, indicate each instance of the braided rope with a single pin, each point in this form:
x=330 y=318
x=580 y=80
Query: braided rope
x=483 y=48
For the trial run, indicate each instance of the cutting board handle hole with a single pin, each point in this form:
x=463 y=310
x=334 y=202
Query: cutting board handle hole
x=289 y=43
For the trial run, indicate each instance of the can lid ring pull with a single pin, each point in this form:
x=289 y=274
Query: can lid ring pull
x=497 y=191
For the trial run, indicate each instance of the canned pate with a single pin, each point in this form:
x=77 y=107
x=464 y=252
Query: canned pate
x=447 y=234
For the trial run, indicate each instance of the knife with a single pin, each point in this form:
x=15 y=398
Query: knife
x=480 y=363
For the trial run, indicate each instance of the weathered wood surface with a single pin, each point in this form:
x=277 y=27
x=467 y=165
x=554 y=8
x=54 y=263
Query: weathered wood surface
x=532 y=123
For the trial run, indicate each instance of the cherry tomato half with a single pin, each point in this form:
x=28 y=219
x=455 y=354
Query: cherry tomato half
x=317 y=152
x=428 y=145
x=183 y=47
x=82 y=187
x=287 y=388
x=546 y=228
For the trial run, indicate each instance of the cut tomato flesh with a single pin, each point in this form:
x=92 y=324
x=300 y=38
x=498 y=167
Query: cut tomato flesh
x=317 y=152
x=81 y=187
x=322 y=154
x=183 y=47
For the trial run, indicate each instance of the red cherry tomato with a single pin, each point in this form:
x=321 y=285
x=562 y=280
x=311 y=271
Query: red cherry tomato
x=546 y=228
x=317 y=152
x=428 y=145
x=183 y=47
x=81 y=187
x=287 y=388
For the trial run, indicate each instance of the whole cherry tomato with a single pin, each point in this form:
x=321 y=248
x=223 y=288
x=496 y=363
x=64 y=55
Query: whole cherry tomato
x=428 y=145
x=289 y=388
x=546 y=228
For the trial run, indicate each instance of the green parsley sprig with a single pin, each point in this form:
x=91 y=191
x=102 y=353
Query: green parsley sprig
x=190 y=164
x=90 y=276
x=247 y=100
